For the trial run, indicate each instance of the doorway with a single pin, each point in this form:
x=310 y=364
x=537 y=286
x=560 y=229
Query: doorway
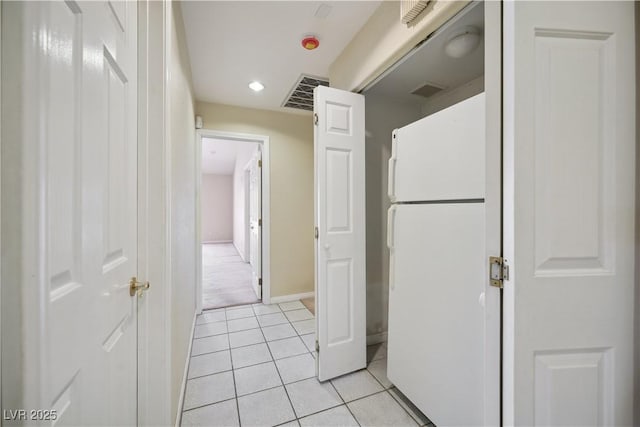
x=434 y=90
x=232 y=196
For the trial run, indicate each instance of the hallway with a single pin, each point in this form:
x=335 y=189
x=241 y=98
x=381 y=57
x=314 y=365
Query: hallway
x=226 y=278
x=255 y=365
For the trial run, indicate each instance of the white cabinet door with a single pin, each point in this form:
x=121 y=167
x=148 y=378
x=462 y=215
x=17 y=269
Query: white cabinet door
x=340 y=218
x=569 y=113
x=74 y=131
x=436 y=348
x=255 y=222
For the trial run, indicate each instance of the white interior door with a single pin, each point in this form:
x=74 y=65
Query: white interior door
x=255 y=221
x=79 y=137
x=340 y=217
x=569 y=88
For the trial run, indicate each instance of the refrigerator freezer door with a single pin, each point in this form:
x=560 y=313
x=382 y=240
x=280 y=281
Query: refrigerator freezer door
x=442 y=156
x=436 y=317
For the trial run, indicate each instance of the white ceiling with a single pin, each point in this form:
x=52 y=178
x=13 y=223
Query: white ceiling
x=429 y=63
x=219 y=155
x=232 y=43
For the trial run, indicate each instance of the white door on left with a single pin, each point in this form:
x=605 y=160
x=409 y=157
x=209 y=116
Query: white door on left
x=255 y=222
x=70 y=145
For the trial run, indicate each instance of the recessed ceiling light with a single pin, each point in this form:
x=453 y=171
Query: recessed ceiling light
x=256 y=86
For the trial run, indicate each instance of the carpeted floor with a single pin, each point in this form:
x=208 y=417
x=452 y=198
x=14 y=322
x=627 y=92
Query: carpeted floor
x=226 y=279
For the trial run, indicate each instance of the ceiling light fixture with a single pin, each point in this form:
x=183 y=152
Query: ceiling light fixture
x=256 y=86
x=463 y=42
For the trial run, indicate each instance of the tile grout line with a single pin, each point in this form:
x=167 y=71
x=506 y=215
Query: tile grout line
x=298 y=335
x=403 y=408
x=344 y=402
x=284 y=385
x=295 y=414
x=419 y=422
x=235 y=388
x=247 y=366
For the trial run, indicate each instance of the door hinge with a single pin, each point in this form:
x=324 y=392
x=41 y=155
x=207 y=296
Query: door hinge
x=260 y=281
x=315 y=119
x=259 y=163
x=317 y=347
x=315 y=232
x=498 y=271
x=260 y=222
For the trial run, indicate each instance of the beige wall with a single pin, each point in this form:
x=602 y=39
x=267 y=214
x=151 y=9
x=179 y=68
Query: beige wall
x=181 y=134
x=383 y=40
x=291 y=160
x=382 y=116
x=216 y=202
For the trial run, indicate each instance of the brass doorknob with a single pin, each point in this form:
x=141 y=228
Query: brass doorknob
x=135 y=286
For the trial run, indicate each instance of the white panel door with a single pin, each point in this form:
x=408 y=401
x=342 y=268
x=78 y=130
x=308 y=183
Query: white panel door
x=79 y=124
x=340 y=217
x=569 y=88
x=255 y=222
x=436 y=347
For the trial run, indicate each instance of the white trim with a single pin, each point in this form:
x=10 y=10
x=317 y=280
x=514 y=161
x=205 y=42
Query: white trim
x=377 y=338
x=291 y=297
x=183 y=386
x=266 y=207
x=154 y=311
x=1 y=387
x=246 y=177
x=215 y=242
x=240 y=253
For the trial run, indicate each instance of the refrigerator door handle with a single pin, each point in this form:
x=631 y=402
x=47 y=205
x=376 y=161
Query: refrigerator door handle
x=391 y=185
x=391 y=218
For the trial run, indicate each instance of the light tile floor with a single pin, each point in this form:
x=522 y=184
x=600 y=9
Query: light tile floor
x=254 y=365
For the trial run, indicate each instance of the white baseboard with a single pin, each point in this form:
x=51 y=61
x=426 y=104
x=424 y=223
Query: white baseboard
x=292 y=297
x=210 y=242
x=239 y=252
x=377 y=338
x=183 y=387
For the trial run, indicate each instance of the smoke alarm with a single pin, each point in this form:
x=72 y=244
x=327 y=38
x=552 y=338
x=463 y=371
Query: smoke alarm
x=310 y=42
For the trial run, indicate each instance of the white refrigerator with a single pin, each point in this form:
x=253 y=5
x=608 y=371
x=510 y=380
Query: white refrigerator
x=436 y=239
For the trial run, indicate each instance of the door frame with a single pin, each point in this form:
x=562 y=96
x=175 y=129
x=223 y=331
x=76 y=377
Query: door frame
x=266 y=200
x=154 y=203
x=247 y=227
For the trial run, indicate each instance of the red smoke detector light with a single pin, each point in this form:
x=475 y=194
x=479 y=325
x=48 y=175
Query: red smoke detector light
x=310 y=42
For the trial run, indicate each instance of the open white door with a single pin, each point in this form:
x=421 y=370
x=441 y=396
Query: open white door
x=569 y=88
x=74 y=160
x=340 y=220
x=255 y=221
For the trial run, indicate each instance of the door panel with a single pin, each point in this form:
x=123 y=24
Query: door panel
x=255 y=220
x=81 y=74
x=436 y=309
x=569 y=208
x=448 y=144
x=340 y=245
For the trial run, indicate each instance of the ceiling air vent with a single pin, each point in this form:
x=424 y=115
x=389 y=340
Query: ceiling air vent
x=410 y=9
x=301 y=96
x=427 y=90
